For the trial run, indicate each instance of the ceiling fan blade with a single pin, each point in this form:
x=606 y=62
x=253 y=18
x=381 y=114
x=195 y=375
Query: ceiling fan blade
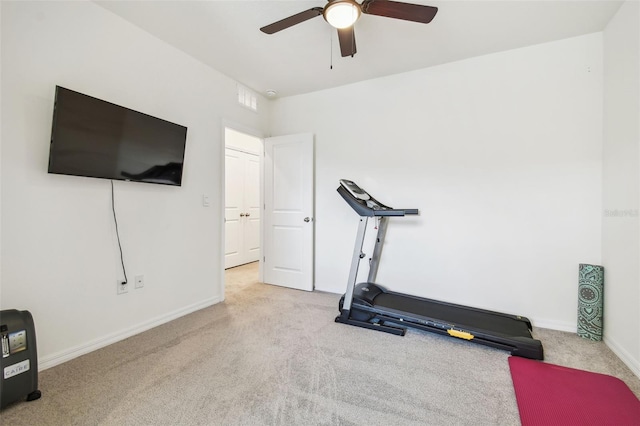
x=292 y=20
x=347 y=39
x=398 y=10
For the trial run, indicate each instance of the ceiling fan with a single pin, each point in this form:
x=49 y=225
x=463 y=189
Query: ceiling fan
x=342 y=14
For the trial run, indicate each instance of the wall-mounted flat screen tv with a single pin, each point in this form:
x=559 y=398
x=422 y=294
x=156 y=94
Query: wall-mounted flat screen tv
x=94 y=138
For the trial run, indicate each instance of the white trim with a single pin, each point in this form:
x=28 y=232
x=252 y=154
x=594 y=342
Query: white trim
x=222 y=204
x=69 y=354
x=246 y=151
x=625 y=357
x=570 y=327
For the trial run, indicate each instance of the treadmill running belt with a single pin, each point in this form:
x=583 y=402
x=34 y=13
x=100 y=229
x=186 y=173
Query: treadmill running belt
x=461 y=317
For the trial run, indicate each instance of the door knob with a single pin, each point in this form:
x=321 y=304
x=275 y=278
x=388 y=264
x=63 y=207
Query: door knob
x=241 y=214
x=307 y=219
x=247 y=214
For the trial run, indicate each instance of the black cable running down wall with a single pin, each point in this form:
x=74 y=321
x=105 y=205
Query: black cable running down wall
x=115 y=220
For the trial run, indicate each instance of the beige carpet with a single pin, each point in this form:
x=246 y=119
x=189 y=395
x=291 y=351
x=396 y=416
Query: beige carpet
x=274 y=356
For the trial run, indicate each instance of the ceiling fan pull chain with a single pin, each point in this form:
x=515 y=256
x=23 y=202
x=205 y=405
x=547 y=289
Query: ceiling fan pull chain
x=331 y=50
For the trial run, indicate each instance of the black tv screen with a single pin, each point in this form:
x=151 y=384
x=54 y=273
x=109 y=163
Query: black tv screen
x=94 y=138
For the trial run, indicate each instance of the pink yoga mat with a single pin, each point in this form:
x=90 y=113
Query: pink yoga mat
x=549 y=394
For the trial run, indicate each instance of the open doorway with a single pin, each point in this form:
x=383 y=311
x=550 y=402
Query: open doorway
x=242 y=212
x=276 y=225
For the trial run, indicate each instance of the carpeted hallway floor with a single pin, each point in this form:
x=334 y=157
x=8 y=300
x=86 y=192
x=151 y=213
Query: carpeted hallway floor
x=274 y=356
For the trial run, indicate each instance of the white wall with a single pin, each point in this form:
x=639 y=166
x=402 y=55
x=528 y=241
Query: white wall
x=501 y=154
x=621 y=184
x=59 y=252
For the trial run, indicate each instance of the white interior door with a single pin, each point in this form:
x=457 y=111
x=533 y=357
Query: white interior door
x=289 y=209
x=252 y=210
x=233 y=206
x=242 y=208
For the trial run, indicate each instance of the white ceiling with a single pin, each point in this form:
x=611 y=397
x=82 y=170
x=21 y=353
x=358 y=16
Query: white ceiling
x=226 y=36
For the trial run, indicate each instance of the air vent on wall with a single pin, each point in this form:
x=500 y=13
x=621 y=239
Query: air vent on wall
x=247 y=98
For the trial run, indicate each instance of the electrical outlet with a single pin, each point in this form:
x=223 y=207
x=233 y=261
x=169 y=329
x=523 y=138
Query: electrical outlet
x=122 y=287
x=139 y=281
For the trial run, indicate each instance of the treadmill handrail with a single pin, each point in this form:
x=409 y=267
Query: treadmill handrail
x=363 y=210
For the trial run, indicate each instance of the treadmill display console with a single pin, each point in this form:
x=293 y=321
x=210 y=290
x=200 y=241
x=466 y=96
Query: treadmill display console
x=354 y=189
x=365 y=204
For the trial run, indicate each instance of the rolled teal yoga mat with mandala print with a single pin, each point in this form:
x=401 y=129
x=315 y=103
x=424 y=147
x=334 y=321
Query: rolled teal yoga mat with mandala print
x=590 y=301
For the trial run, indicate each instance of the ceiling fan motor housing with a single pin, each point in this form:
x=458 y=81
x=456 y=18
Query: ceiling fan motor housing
x=341 y=13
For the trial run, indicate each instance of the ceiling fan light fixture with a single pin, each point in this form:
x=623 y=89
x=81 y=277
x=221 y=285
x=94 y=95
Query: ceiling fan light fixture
x=341 y=13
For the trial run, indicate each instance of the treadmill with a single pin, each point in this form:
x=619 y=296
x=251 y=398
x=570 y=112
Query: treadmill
x=371 y=306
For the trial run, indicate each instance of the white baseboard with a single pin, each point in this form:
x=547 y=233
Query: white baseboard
x=570 y=327
x=69 y=354
x=626 y=357
x=329 y=289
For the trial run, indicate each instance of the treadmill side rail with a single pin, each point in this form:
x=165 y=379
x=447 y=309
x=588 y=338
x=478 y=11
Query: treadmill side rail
x=345 y=318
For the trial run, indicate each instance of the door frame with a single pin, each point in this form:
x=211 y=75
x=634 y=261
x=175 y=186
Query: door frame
x=226 y=124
